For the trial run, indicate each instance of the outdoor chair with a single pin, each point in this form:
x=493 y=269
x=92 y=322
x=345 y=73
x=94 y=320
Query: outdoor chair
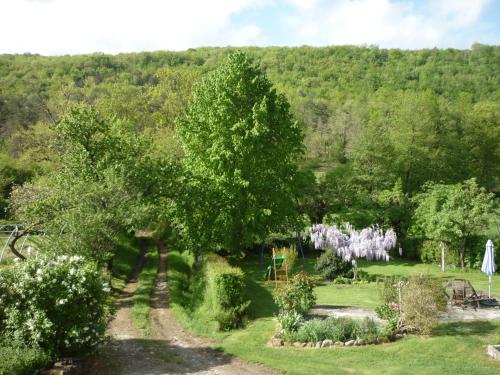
x=463 y=293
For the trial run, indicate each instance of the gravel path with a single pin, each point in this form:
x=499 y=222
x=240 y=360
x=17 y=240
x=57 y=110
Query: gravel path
x=452 y=314
x=169 y=349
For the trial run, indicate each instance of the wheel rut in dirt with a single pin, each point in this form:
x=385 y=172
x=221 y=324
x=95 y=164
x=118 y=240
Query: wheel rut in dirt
x=169 y=349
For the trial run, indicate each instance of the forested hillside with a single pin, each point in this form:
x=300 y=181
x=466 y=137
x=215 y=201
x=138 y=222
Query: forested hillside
x=378 y=123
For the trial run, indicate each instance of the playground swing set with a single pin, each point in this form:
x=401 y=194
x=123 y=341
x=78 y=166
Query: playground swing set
x=277 y=268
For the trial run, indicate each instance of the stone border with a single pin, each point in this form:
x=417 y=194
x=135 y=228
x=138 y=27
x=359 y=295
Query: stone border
x=276 y=341
x=493 y=351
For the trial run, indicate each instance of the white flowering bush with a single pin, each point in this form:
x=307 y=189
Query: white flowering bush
x=60 y=304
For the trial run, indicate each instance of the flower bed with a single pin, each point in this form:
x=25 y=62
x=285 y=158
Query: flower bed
x=333 y=332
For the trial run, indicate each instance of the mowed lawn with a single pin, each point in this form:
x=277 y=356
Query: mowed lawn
x=455 y=348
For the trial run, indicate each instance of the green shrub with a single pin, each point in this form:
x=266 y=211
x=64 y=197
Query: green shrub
x=289 y=320
x=390 y=293
x=430 y=252
x=342 y=280
x=390 y=309
x=290 y=254
x=22 y=361
x=335 y=329
x=60 y=304
x=225 y=293
x=422 y=300
x=297 y=295
x=331 y=266
x=389 y=312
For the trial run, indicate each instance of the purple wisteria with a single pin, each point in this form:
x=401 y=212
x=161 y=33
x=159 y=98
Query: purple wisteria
x=370 y=243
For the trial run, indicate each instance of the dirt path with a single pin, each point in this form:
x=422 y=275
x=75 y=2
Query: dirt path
x=169 y=350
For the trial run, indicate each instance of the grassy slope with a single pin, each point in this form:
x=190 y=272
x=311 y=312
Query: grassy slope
x=141 y=307
x=456 y=347
x=186 y=296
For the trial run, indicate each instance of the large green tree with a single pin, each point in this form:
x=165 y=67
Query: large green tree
x=108 y=184
x=241 y=145
x=453 y=212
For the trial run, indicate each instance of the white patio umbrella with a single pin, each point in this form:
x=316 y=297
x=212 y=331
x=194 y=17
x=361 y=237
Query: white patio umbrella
x=488 y=266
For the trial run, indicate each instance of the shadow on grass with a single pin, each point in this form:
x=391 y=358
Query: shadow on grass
x=464 y=328
x=258 y=289
x=262 y=305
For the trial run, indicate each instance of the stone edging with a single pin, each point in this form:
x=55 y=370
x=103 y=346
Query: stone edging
x=276 y=341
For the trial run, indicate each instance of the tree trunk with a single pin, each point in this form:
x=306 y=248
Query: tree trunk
x=12 y=246
x=462 y=253
x=442 y=256
x=109 y=265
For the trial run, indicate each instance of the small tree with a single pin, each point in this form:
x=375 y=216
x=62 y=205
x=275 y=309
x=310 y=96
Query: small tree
x=241 y=146
x=453 y=212
x=428 y=217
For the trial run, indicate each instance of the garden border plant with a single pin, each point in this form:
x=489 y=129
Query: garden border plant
x=60 y=304
x=294 y=301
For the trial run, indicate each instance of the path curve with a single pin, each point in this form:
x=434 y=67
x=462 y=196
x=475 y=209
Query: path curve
x=169 y=349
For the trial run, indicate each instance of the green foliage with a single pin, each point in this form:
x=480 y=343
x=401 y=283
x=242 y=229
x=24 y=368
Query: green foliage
x=366 y=152
x=289 y=321
x=11 y=174
x=60 y=304
x=297 y=295
x=22 y=361
x=127 y=256
x=422 y=300
x=241 y=144
x=430 y=252
x=449 y=213
x=389 y=312
x=390 y=292
x=290 y=254
x=225 y=293
x=335 y=329
x=108 y=185
x=331 y=266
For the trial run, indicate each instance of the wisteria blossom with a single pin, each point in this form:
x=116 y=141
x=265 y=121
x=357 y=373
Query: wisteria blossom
x=370 y=243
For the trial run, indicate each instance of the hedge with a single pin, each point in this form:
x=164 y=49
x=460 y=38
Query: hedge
x=224 y=297
x=15 y=361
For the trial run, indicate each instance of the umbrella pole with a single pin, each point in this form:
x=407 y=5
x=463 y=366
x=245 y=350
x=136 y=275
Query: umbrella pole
x=489 y=287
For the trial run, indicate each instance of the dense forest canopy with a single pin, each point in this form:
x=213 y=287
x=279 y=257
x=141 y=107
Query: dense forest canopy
x=378 y=123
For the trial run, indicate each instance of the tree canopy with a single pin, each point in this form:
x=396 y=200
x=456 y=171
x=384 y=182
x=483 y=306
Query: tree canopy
x=241 y=146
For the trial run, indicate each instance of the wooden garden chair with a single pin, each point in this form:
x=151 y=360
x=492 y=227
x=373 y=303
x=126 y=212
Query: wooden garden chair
x=463 y=293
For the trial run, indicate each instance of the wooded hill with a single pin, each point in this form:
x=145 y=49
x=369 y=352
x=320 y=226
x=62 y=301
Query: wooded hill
x=376 y=121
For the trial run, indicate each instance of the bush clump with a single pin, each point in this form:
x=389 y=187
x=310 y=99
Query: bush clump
x=390 y=310
x=423 y=298
x=331 y=266
x=22 y=361
x=225 y=293
x=290 y=255
x=297 y=295
x=59 y=304
x=335 y=329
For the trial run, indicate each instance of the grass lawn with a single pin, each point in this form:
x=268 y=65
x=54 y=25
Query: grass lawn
x=455 y=348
